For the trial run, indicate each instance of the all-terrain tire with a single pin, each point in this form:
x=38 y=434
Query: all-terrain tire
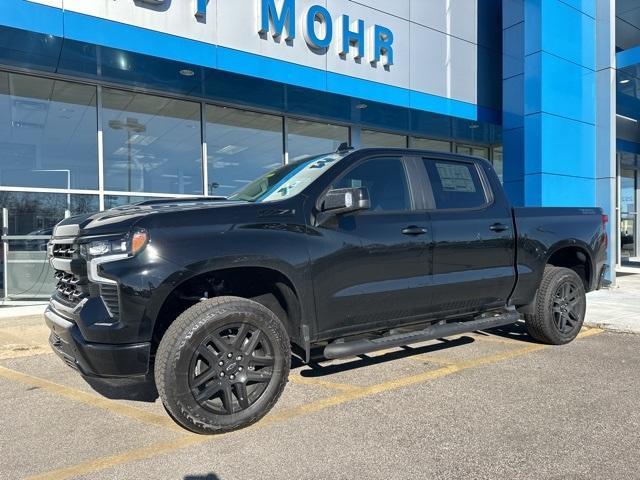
x=200 y=346
x=559 y=308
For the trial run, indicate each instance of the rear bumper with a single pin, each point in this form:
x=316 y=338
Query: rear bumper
x=95 y=359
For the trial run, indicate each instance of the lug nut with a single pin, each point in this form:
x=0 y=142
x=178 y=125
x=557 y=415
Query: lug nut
x=231 y=377
x=239 y=357
x=222 y=374
x=221 y=363
x=240 y=368
x=229 y=355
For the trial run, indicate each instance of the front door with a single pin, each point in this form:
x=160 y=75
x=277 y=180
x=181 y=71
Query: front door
x=371 y=268
x=474 y=255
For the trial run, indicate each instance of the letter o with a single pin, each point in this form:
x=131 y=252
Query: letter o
x=317 y=13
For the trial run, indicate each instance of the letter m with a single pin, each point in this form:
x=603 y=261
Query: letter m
x=276 y=23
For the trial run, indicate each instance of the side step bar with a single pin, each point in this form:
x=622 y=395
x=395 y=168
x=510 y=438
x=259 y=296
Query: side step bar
x=342 y=349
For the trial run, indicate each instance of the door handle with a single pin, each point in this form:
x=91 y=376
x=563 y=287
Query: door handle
x=498 y=227
x=414 y=230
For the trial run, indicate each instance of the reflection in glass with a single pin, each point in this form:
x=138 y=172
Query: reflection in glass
x=312 y=138
x=473 y=151
x=151 y=144
x=48 y=133
x=112 y=201
x=241 y=146
x=34 y=215
x=429 y=144
x=372 y=138
x=628 y=213
x=498 y=162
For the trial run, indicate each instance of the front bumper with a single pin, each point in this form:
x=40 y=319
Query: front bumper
x=95 y=359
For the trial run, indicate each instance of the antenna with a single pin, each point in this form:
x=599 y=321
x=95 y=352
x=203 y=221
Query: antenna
x=344 y=147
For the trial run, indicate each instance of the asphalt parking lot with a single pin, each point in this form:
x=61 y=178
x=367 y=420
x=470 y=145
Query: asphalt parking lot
x=481 y=406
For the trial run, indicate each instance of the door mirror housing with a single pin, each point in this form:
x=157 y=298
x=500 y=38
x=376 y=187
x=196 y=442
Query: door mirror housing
x=346 y=200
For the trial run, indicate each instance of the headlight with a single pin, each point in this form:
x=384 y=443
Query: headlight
x=129 y=245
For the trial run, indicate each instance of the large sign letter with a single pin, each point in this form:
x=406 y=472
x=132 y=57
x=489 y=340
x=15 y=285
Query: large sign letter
x=318 y=14
x=382 y=45
x=351 y=38
x=273 y=22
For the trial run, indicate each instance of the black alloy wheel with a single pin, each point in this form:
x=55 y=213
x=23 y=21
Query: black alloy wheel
x=222 y=365
x=231 y=368
x=560 y=307
x=568 y=306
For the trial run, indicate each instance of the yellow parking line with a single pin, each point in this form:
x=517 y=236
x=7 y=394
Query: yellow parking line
x=341 y=387
x=92 y=400
x=95 y=465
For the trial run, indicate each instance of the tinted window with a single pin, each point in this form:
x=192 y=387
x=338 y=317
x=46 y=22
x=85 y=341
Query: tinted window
x=386 y=181
x=455 y=184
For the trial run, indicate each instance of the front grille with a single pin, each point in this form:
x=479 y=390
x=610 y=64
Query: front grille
x=70 y=287
x=109 y=294
x=63 y=250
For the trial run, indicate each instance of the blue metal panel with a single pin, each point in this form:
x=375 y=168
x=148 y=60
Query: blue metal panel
x=559 y=191
x=568 y=33
x=32 y=16
x=558 y=145
x=99 y=31
x=513 y=50
x=629 y=57
x=585 y=6
x=551 y=160
x=558 y=86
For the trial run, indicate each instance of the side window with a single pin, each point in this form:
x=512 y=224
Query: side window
x=386 y=181
x=455 y=184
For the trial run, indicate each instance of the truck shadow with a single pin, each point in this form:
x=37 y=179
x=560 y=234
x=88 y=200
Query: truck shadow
x=318 y=370
x=143 y=389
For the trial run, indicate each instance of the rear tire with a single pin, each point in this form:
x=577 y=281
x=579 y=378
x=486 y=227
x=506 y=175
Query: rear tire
x=222 y=365
x=559 y=308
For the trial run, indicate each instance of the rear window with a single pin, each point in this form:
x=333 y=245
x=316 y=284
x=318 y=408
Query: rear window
x=455 y=184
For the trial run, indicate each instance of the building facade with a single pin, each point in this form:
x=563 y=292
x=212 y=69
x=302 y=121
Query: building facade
x=109 y=102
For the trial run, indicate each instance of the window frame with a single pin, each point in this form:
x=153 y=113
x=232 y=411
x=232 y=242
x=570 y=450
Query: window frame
x=428 y=185
x=404 y=160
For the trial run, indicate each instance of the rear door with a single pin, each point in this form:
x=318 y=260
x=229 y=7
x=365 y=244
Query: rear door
x=474 y=248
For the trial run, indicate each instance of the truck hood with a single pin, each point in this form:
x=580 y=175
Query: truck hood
x=121 y=219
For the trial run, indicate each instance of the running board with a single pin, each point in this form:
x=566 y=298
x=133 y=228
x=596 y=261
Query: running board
x=342 y=349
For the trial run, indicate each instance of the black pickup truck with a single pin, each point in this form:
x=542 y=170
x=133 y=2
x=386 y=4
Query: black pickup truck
x=332 y=256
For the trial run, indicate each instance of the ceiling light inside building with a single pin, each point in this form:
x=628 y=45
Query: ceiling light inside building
x=187 y=73
x=361 y=106
x=625 y=81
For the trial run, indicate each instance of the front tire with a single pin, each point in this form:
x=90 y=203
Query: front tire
x=560 y=307
x=222 y=365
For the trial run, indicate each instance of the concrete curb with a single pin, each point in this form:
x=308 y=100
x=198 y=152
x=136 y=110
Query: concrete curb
x=614 y=327
x=17 y=312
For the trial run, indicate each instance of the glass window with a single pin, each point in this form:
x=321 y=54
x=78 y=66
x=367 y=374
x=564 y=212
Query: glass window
x=473 y=151
x=112 y=201
x=241 y=146
x=455 y=184
x=372 y=138
x=39 y=212
x=312 y=138
x=498 y=162
x=151 y=144
x=35 y=215
x=428 y=144
x=386 y=180
x=48 y=133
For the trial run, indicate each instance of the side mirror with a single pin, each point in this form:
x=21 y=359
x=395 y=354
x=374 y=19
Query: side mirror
x=345 y=200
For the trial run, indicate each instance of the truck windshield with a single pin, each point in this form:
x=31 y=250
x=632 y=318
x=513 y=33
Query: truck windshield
x=287 y=181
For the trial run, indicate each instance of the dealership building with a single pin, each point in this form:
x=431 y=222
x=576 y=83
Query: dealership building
x=108 y=102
